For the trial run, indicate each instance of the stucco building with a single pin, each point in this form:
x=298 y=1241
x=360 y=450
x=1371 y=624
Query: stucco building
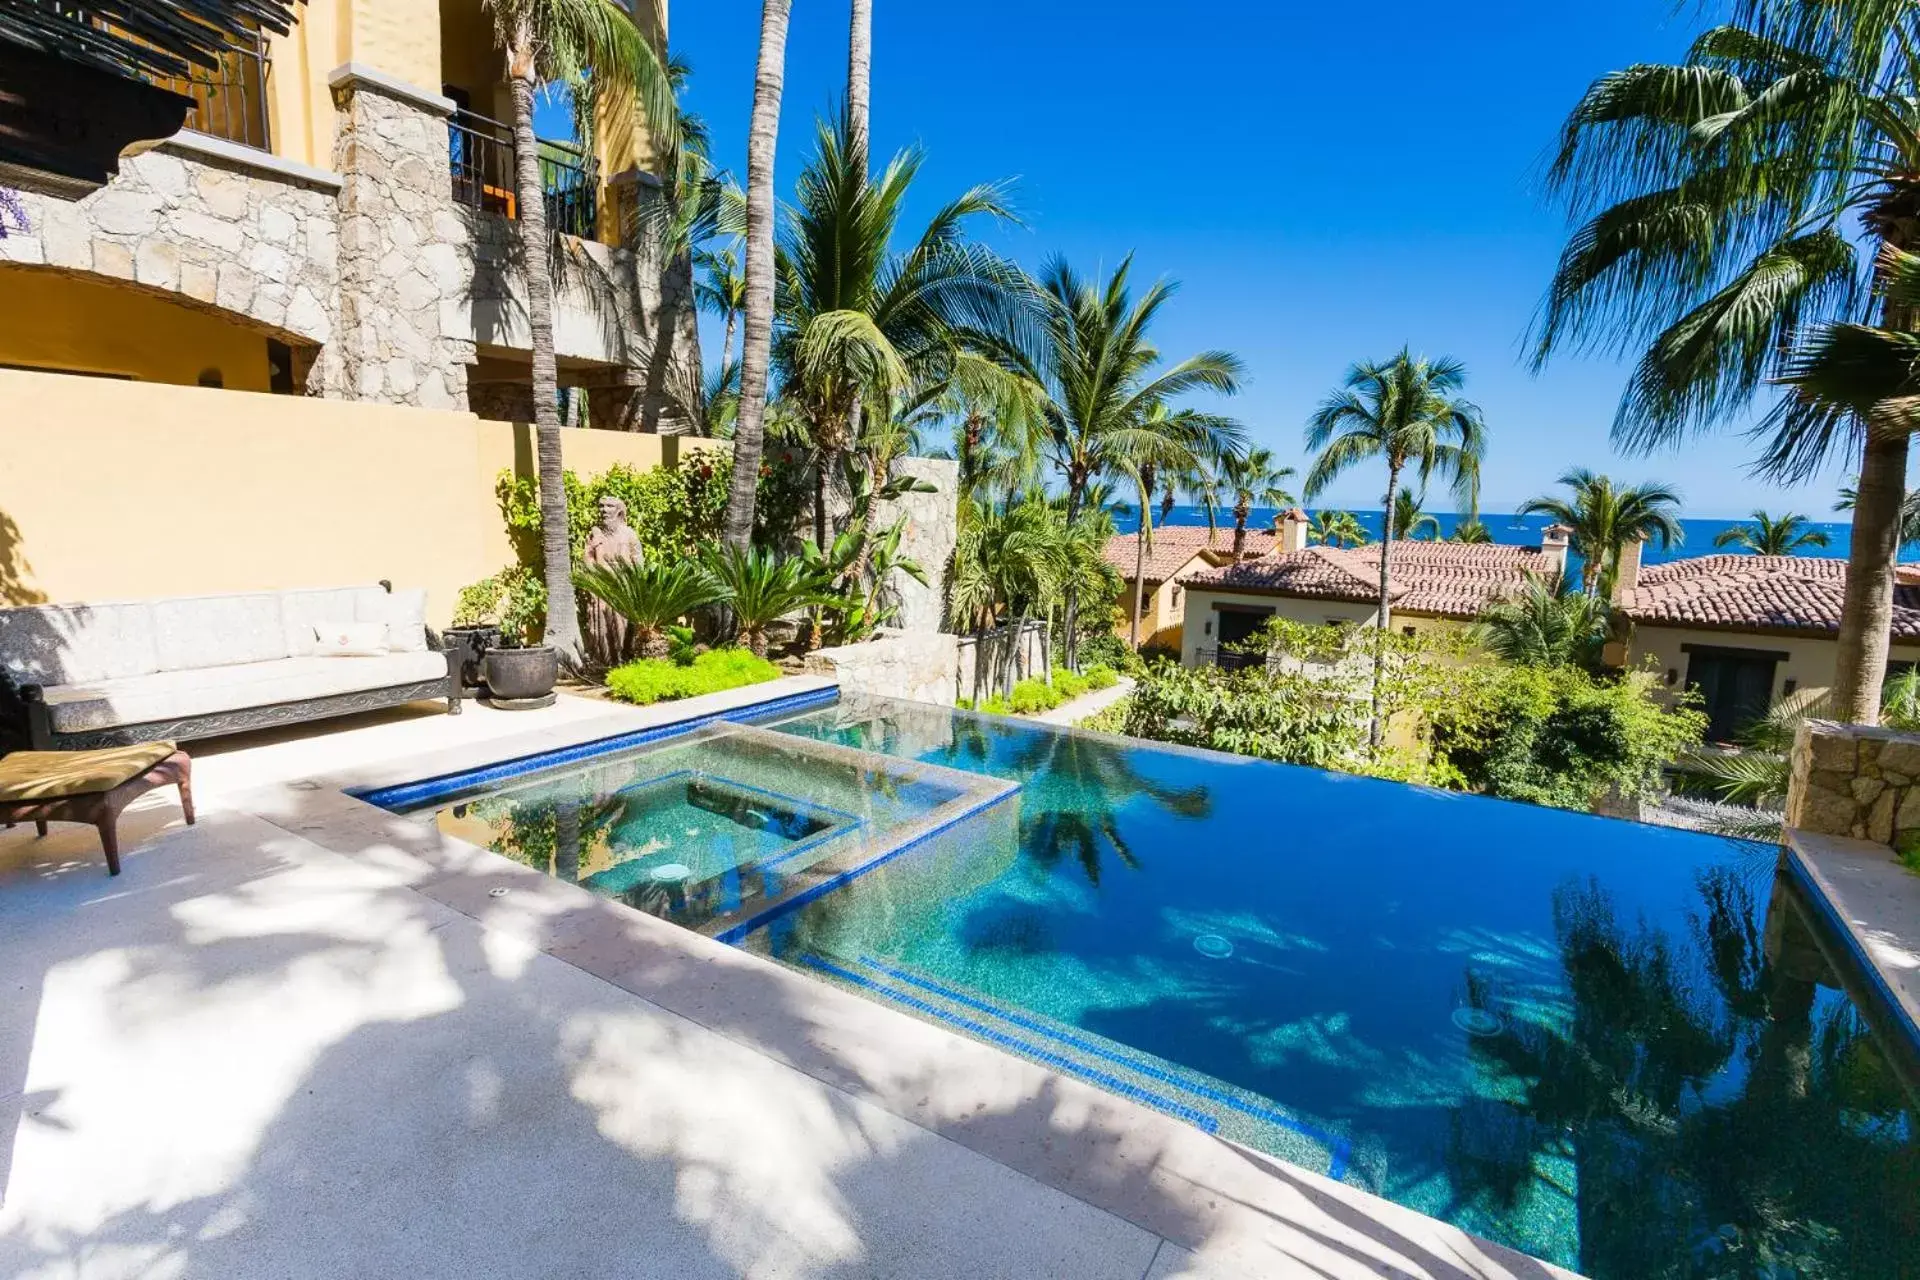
x=1745 y=631
x=1171 y=554
x=1433 y=585
x=337 y=220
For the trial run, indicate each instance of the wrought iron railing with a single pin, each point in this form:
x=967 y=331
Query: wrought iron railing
x=229 y=101
x=481 y=159
x=1233 y=659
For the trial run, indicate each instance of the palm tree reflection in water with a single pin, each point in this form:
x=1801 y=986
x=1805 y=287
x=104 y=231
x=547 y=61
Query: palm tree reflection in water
x=1764 y=1133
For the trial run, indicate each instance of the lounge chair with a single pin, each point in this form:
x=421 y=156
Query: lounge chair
x=91 y=787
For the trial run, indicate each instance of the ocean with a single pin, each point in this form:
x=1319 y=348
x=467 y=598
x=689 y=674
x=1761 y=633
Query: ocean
x=1524 y=531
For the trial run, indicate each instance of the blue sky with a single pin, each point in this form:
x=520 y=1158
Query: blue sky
x=1326 y=182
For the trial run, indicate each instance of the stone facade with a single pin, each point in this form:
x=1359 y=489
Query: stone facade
x=406 y=262
x=1849 y=780
x=916 y=667
x=210 y=233
x=933 y=528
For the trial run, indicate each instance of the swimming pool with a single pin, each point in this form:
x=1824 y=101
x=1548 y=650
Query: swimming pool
x=1621 y=1048
x=712 y=828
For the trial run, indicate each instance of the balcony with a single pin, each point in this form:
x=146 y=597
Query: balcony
x=481 y=160
x=229 y=101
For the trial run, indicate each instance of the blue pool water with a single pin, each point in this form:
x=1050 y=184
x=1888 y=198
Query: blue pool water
x=1617 y=1047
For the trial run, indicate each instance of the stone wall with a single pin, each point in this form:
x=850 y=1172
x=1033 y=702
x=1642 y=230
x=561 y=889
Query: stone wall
x=210 y=231
x=980 y=671
x=610 y=307
x=933 y=526
x=406 y=265
x=1849 y=780
x=917 y=667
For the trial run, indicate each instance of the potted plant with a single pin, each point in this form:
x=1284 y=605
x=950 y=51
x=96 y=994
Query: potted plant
x=519 y=668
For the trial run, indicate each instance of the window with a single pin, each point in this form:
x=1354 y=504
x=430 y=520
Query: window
x=1736 y=686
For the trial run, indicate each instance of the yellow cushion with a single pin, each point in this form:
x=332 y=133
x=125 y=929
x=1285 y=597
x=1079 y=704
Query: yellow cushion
x=52 y=775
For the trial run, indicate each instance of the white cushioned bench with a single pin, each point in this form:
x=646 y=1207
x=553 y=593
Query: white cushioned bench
x=99 y=675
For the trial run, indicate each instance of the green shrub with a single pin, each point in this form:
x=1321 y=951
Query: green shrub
x=1100 y=676
x=515 y=600
x=1069 y=685
x=664 y=680
x=1111 y=720
x=1108 y=651
x=1032 y=696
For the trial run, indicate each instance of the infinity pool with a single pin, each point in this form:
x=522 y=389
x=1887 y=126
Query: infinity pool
x=1617 y=1047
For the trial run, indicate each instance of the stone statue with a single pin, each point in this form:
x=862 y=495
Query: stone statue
x=611 y=542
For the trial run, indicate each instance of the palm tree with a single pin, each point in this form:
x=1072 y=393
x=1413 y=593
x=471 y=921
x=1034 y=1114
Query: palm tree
x=1472 y=532
x=572 y=42
x=1253 y=481
x=1410 y=519
x=1547 y=624
x=723 y=292
x=1177 y=442
x=756 y=344
x=859 y=323
x=1007 y=562
x=860 y=80
x=1338 y=529
x=1767 y=536
x=761 y=587
x=1104 y=377
x=1408 y=413
x=652 y=596
x=1909 y=512
x=1604 y=518
x=1203 y=487
x=1748 y=217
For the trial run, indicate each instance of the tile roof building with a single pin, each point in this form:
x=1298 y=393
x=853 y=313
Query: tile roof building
x=1757 y=594
x=1437 y=579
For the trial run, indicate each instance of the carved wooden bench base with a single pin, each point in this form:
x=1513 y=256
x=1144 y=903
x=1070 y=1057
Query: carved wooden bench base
x=101 y=809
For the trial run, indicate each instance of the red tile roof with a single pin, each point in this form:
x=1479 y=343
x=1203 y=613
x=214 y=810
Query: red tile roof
x=1441 y=579
x=1173 y=546
x=1758 y=593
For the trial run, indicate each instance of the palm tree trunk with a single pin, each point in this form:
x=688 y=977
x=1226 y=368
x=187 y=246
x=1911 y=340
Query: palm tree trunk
x=1140 y=571
x=1240 y=514
x=860 y=81
x=756 y=343
x=1384 y=619
x=1076 y=493
x=726 y=344
x=556 y=549
x=1866 y=616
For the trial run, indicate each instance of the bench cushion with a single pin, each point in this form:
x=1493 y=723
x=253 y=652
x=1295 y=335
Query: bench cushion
x=55 y=775
x=64 y=644
x=177 y=695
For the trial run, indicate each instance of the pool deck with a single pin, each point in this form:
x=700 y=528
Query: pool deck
x=308 y=1038
x=1875 y=902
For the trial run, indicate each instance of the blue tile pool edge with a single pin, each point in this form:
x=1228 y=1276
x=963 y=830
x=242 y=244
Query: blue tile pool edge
x=1863 y=962
x=1339 y=1150
x=735 y=934
x=412 y=795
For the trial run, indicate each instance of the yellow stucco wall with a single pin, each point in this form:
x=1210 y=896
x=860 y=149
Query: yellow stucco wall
x=71 y=322
x=119 y=490
x=1809 y=660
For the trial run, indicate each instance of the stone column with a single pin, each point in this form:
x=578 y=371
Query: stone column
x=406 y=264
x=1850 y=780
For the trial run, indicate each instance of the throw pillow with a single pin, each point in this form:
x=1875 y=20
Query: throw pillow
x=404 y=614
x=350 y=639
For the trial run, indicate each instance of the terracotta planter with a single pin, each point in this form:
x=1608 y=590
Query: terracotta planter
x=518 y=674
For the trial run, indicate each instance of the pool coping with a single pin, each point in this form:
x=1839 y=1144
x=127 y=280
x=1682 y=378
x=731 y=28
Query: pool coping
x=1243 y=1211
x=1872 y=904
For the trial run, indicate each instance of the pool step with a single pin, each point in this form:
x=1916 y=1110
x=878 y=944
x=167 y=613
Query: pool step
x=1200 y=1100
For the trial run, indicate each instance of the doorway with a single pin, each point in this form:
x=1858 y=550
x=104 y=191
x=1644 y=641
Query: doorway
x=1735 y=685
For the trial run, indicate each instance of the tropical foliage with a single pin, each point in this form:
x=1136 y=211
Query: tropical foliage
x=1407 y=413
x=1252 y=479
x=1605 y=517
x=1410 y=519
x=1338 y=529
x=762 y=588
x=1546 y=624
x=653 y=680
x=1772 y=536
x=652 y=595
x=1745 y=225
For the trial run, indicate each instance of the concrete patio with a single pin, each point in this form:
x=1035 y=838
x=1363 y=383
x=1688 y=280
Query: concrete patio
x=308 y=1038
